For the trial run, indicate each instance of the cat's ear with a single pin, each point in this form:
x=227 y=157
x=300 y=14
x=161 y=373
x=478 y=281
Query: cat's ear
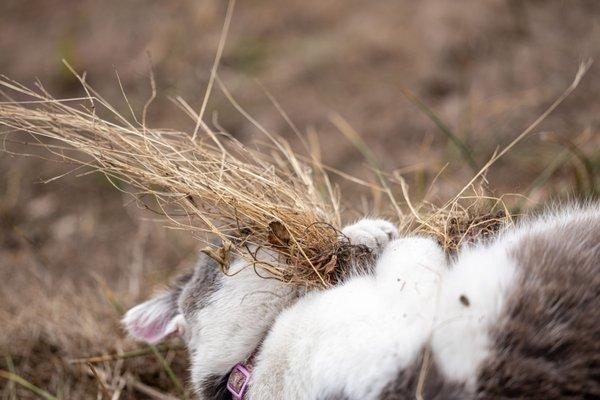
x=156 y=319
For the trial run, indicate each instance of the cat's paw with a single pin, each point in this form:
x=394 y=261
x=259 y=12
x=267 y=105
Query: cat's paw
x=373 y=233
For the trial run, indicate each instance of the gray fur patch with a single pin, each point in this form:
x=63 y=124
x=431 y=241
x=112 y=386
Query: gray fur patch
x=548 y=344
x=171 y=296
x=434 y=386
x=203 y=283
x=215 y=388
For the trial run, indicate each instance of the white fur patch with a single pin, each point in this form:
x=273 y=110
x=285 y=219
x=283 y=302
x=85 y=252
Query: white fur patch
x=353 y=339
x=471 y=299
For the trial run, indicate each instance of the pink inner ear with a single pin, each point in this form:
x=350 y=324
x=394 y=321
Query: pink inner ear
x=152 y=331
x=152 y=322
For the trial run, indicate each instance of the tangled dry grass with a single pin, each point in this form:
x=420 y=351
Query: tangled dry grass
x=202 y=183
x=213 y=183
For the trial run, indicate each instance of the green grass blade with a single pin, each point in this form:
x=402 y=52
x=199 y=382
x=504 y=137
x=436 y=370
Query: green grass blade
x=26 y=384
x=11 y=369
x=465 y=150
x=169 y=371
x=346 y=129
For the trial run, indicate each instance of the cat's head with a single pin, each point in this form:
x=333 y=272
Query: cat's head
x=220 y=318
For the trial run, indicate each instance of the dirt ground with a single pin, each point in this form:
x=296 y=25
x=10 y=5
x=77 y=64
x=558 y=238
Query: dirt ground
x=74 y=251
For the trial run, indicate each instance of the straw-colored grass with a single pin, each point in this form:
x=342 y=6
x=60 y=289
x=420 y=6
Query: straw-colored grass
x=210 y=182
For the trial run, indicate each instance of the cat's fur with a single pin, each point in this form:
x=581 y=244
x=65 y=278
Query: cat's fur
x=518 y=316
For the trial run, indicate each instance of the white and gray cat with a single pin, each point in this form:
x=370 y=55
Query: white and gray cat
x=515 y=317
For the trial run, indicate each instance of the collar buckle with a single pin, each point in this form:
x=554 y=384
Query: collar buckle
x=237 y=384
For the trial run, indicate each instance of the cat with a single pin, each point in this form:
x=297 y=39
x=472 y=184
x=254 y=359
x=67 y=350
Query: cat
x=515 y=316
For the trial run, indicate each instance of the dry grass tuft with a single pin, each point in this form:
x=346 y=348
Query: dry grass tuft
x=215 y=184
x=211 y=184
x=467 y=220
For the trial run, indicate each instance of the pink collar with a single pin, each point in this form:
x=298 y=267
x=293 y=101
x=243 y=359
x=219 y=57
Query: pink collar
x=239 y=377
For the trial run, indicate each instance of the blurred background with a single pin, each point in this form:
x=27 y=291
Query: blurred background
x=407 y=76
